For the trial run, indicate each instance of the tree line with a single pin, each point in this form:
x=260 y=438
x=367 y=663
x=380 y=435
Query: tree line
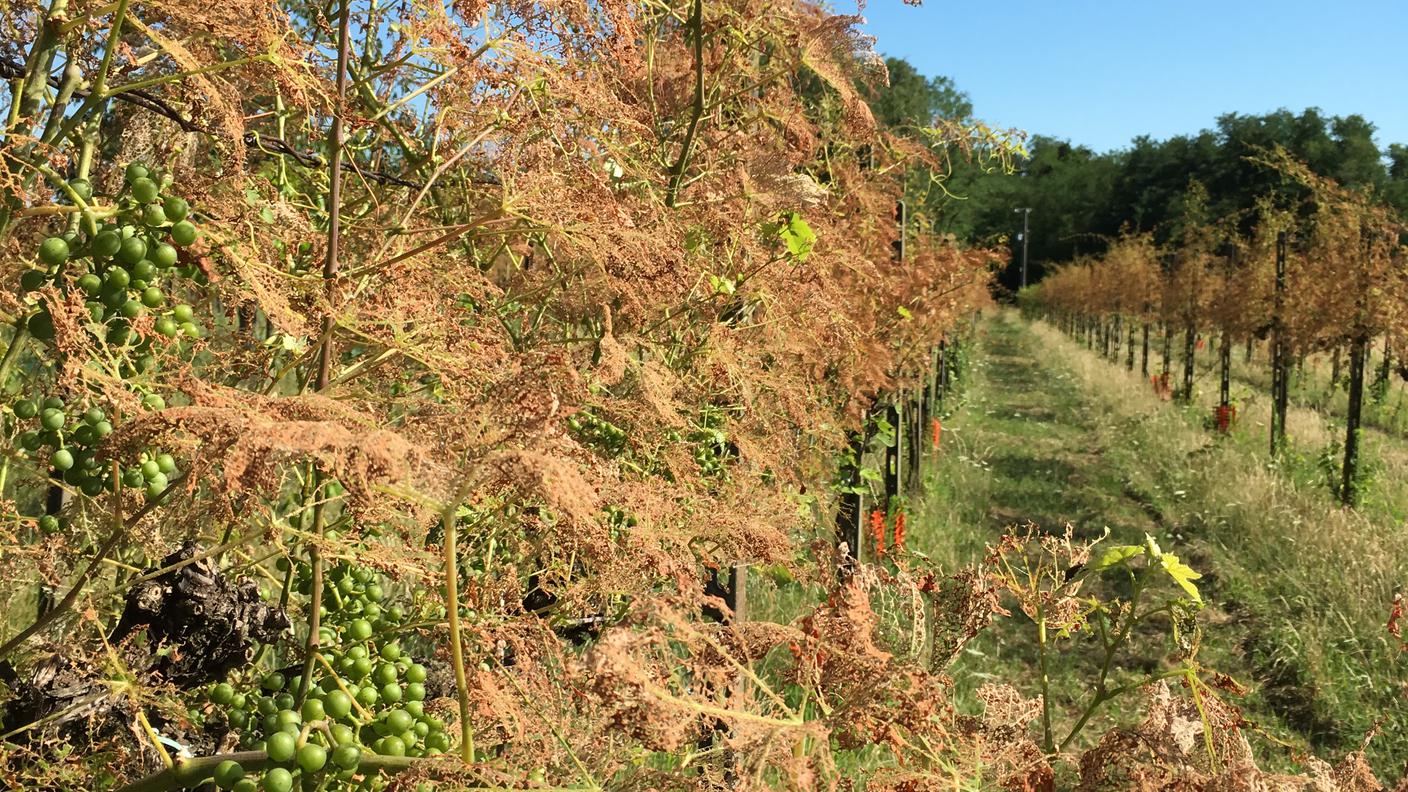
x=1082 y=199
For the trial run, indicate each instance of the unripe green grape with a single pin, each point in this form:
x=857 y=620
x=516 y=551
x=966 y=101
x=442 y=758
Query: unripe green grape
x=30 y=441
x=280 y=747
x=183 y=313
x=313 y=710
x=222 y=694
x=192 y=330
x=337 y=705
x=416 y=708
x=93 y=415
x=390 y=693
x=183 y=233
x=284 y=700
x=167 y=327
x=284 y=717
x=26 y=408
x=93 y=486
x=277 y=779
x=52 y=419
x=153 y=216
x=132 y=478
x=144 y=270
x=102 y=429
x=49 y=524
x=164 y=256
x=385 y=673
x=367 y=697
x=131 y=309
x=107 y=243
x=176 y=208
x=84 y=435
x=342 y=734
x=415 y=691
x=135 y=171
x=266 y=706
x=145 y=190
x=359 y=630
x=437 y=742
x=82 y=188
x=61 y=459
x=399 y=720
x=347 y=757
x=90 y=283
x=391 y=746
x=245 y=784
x=228 y=773
x=117 y=278
x=53 y=251
x=374 y=592
x=133 y=250
x=153 y=402
x=152 y=297
x=312 y=757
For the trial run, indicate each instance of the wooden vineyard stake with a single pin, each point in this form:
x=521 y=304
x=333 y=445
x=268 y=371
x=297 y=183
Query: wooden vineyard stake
x=1224 y=388
x=1190 y=337
x=1279 y=362
x=1144 y=360
x=893 y=472
x=1349 y=486
x=850 y=515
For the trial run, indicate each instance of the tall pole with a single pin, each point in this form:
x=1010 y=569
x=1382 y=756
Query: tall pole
x=1026 y=215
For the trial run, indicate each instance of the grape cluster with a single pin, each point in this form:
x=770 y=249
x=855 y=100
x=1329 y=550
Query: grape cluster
x=619 y=521
x=592 y=430
x=73 y=438
x=712 y=448
x=372 y=701
x=119 y=268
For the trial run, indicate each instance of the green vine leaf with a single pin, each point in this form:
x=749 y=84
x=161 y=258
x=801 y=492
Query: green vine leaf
x=1182 y=574
x=798 y=236
x=1115 y=556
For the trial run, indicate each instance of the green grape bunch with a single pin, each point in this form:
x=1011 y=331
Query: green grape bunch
x=596 y=432
x=366 y=696
x=70 y=441
x=120 y=265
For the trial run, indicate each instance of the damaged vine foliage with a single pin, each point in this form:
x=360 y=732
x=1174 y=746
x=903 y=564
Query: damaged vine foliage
x=420 y=365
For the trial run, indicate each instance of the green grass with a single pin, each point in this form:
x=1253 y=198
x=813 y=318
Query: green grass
x=1299 y=588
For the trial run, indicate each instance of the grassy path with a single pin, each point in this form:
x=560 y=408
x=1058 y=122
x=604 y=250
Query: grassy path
x=1050 y=434
x=1028 y=446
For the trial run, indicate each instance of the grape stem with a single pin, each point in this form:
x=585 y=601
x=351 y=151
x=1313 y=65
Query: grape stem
x=450 y=524
x=325 y=352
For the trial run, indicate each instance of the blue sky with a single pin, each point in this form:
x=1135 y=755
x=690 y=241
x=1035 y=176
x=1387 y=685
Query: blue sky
x=1100 y=72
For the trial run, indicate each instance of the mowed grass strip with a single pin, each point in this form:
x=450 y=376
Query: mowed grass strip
x=1298 y=587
